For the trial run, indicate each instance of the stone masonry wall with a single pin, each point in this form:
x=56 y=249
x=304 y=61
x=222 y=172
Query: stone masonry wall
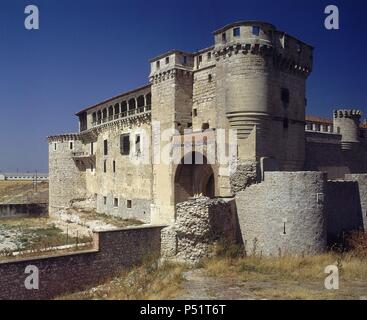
x=361 y=179
x=61 y=274
x=284 y=214
x=200 y=223
x=245 y=175
x=66 y=179
x=343 y=209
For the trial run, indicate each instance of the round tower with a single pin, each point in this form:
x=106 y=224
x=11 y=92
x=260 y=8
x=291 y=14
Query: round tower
x=347 y=123
x=244 y=69
x=261 y=76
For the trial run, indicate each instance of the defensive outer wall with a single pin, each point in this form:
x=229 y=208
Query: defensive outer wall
x=67 y=273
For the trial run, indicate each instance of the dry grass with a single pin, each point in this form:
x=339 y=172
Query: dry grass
x=297 y=277
x=285 y=278
x=293 y=268
x=147 y=282
x=23 y=191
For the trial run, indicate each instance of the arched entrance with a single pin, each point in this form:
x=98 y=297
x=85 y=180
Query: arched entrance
x=194 y=177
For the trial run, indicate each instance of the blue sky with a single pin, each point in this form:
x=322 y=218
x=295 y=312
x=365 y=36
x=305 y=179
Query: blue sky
x=89 y=50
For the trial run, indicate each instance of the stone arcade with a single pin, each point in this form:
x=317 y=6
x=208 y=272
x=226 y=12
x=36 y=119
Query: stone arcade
x=299 y=181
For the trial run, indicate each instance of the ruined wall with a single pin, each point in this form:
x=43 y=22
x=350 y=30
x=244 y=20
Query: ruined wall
x=62 y=274
x=284 y=214
x=199 y=224
x=66 y=176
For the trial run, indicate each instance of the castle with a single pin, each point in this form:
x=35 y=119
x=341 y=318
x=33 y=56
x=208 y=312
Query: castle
x=278 y=181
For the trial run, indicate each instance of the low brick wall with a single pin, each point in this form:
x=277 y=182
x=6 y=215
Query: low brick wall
x=60 y=274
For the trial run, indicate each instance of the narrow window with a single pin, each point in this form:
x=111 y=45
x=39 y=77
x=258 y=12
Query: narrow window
x=129 y=204
x=71 y=145
x=224 y=37
x=256 y=31
x=205 y=126
x=104 y=200
x=285 y=123
x=167 y=60
x=105 y=166
x=284 y=231
x=91 y=168
x=92 y=148
x=236 y=32
x=125 y=144
x=105 y=147
x=195 y=112
x=114 y=166
x=55 y=146
x=116 y=202
x=200 y=59
x=210 y=78
x=137 y=144
x=285 y=96
x=158 y=64
x=184 y=59
x=209 y=56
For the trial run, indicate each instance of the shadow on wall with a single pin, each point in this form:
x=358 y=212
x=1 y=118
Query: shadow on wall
x=343 y=210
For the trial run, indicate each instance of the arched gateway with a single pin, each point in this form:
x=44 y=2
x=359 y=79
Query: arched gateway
x=194 y=176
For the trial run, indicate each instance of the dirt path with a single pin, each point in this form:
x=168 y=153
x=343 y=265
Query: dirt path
x=199 y=286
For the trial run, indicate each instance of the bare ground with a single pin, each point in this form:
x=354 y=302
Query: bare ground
x=198 y=285
x=21 y=192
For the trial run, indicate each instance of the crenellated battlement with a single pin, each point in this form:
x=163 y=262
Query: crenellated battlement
x=347 y=113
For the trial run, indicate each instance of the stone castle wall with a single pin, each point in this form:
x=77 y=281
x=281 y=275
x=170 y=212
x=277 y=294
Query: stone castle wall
x=324 y=152
x=361 y=179
x=66 y=177
x=343 y=209
x=130 y=183
x=284 y=214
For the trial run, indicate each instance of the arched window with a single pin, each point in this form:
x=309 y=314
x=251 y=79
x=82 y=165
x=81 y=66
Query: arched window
x=148 y=99
x=132 y=104
x=123 y=106
x=141 y=101
x=94 y=116
x=110 y=113
x=117 y=108
x=99 y=116
x=104 y=115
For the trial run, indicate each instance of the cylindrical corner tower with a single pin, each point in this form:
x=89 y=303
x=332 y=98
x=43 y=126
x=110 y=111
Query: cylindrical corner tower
x=261 y=76
x=243 y=53
x=346 y=123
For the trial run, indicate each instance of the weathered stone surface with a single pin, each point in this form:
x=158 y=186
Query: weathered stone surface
x=200 y=223
x=245 y=175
